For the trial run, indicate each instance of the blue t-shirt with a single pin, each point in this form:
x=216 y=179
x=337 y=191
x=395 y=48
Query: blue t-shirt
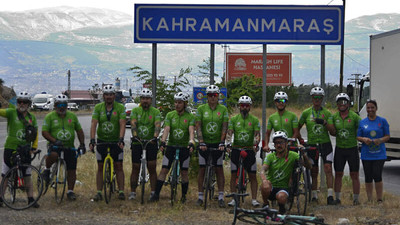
x=373 y=129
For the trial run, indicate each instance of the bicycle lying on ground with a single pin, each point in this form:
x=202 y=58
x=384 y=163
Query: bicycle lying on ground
x=267 y=215
x=58 y=173
x=23 y=181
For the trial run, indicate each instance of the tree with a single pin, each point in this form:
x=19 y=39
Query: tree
x=165 y=90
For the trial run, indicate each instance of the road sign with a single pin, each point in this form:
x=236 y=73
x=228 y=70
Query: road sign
x=279 y=67
x=241 y=24
x=200 y=96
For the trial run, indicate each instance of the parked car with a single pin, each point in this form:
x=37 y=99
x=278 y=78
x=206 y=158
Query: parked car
x=128 y=109
x=72 y=106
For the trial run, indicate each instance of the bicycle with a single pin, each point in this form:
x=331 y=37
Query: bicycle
x=266 y=215
x=143 y=174
x=242 y=180
x=109 y=174
x=209 y=178
x=21 y=180
x=58 y=173
x=300 y=190
x=173 y=178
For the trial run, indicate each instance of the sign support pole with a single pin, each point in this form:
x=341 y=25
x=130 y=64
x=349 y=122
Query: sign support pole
x=154 y=73
x=264 y=98
x=212 y=61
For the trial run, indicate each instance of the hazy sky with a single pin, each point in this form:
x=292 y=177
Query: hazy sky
x=354 y=8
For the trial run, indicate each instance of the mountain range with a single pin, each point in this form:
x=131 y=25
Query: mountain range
x=38 y=47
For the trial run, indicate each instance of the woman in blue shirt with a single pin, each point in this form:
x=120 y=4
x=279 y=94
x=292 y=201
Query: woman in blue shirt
x=373 y=132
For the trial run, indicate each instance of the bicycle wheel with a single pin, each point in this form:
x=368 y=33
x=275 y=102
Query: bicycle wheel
x=107 y=180
x=241 y=189
x=42 y=167
x=60 y=180
x=143 y=181
x=301 y=199
x=206 y=186
x=17 y=188
x=174 y=181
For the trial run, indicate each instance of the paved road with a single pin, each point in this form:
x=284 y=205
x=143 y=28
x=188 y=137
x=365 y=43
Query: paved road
x=390 y=173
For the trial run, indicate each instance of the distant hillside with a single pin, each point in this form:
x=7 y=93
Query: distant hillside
x=38 y=48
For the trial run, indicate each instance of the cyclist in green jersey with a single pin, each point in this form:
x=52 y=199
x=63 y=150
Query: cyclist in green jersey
x=145 y=124
x=211 y=126
x=282 y=120
x=19 y=135
x=246 y=130
x=59 y=129
x=316 y=120
x=279 y=167
x=346 y=123
x=111 y=118
x=179 y=126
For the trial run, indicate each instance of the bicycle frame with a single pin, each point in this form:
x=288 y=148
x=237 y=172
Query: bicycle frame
x=108 y=173
x=241 y=180
x=143 y=167
x=174 y=174
x=209 y=183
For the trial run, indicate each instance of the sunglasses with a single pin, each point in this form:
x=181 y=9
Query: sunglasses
x=62 y=105
x=342 y=102
x=317 y=97
x=212 y=95
x=244 y=105
x=281 y=100
x=22 y=102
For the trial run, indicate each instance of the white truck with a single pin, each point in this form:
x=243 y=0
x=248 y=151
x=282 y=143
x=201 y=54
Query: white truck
x=43 y=102
x=382 y=84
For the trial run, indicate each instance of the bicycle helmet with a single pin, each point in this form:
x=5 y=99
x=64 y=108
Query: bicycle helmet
x=146 y=93
x=23 y=95
x=60 y=99
x=279 y=134
x=181 y=96
x=212 y=89
x=317 y=91
x=245 y=100
x=281 y=95
x=342 y=96
x=108 y=89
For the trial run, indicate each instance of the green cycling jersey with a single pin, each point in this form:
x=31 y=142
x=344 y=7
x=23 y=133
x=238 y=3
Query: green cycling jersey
x=346 y=129
x=284 y=123
x=280 y=169
x=179 y=127
x=211 y=122
x=62 y=129
x=146 y=120
x=244 y=129
x=109 y=126
x=316 y=133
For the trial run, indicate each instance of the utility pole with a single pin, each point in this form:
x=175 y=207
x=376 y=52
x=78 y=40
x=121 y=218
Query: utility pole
x=355 y=80
x=224 y=46
x=69 y=84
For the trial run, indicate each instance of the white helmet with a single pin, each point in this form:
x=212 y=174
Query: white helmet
x=245 y=100
x=317 y=91
x=212 y=89
x=279 y=134
x=342 y=96
x=61 y=99
x=181 y=96
x=146 y=93
x=108 y=89
x=281 y=95
x=23 y=95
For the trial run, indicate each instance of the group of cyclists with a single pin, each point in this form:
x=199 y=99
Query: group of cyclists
x=214 y=130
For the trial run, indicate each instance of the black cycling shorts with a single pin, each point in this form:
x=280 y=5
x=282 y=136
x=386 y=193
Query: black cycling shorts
x=373 y=170
x=116 y=152
x=9 y=162
x=169 y=157
x=137 y=151
x=326 y=152
x=275 y=191
x=349 y=155
x=69 y=157
x=249 y=162
x=217 y=156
